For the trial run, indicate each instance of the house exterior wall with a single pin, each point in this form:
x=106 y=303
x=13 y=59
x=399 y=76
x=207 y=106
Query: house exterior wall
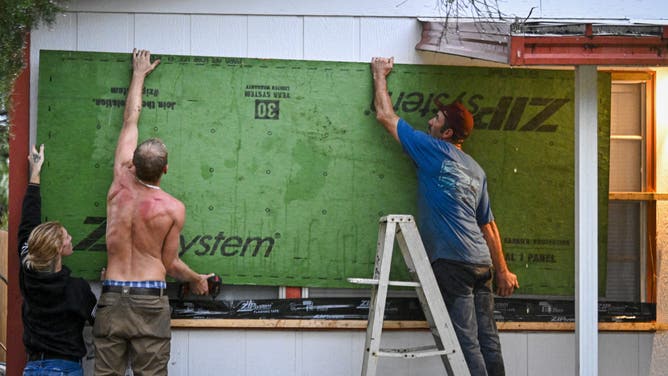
x=197 y=352
x=353 y=31
x=575 y=9
x=336 y=353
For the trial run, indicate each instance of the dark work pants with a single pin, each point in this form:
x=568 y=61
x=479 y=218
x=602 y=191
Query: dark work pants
x=467 y=291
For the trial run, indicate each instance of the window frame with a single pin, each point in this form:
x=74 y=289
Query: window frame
x=648 y=196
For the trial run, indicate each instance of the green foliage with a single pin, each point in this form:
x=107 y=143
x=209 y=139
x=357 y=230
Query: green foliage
x=17 y=18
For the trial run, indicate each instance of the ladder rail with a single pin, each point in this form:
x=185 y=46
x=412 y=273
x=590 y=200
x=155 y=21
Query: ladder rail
x=381 y=273
x=402 y=228
x=430 y=297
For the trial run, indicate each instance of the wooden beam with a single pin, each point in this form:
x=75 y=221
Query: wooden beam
x=588 y=50
x=505 y=326
x=293 y=324
x=637 y=196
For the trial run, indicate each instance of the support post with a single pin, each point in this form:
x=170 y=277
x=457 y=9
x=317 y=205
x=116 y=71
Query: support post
x=586 y=220
x=19 y=116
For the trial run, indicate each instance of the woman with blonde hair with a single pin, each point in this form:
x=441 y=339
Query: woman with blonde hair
x=55 y=305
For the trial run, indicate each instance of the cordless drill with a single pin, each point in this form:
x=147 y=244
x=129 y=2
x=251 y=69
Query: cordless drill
x=214 y=284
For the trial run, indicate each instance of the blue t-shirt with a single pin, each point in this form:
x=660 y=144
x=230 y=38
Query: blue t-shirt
x=452 y=198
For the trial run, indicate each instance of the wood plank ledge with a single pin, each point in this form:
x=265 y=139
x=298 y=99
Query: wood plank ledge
x=506 y=326
x=638 y=196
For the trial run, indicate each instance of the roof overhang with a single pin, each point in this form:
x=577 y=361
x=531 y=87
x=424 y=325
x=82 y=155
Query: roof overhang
x=575 y=42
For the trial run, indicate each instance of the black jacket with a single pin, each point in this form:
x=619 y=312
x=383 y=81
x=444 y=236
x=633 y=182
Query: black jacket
x=55 y=305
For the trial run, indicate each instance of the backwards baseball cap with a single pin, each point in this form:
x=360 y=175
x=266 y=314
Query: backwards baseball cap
x=459 y=119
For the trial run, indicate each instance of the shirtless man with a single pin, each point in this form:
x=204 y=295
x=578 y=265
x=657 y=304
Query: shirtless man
x=143 y=228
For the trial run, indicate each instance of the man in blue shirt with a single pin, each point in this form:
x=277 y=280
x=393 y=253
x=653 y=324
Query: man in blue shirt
x=455 y=221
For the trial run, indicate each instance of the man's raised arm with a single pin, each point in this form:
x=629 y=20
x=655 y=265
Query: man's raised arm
x=127 y=141
x=380 y=69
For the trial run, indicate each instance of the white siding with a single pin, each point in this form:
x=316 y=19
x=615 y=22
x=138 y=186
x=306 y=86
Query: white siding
x=219 y=35
x=163 y=33
x=390 y=37
x=113 y=32
x=276 y=37
x=339 y=353
x=332 y=38
x=632 y=9
x=515 y=348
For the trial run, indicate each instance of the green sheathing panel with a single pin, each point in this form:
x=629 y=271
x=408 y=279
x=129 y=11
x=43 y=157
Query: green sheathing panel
x=285 y=172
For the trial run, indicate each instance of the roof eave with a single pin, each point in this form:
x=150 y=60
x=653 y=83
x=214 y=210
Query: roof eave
x=550 y=43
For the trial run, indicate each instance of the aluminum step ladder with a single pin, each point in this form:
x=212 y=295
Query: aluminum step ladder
x=431 y=300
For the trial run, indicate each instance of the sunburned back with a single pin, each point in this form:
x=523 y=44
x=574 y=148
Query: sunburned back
x=139 y=219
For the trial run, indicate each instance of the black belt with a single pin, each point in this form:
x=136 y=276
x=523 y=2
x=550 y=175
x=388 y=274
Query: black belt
x=45 y=356
x=134 y=290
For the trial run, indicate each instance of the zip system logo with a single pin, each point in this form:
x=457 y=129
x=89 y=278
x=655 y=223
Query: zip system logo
x=200 y=245
x=523 y=114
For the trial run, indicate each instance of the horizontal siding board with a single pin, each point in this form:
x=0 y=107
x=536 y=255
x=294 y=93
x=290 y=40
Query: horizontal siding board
x=213 y=35
x=178 y=357
x=615 y=356
x=635 y=9
x=275 y=37
x=336 y=345
x=331 y=38
x=212 y=353
x=339 y=352
x=514 y=349
x=390 y=37
x=551 y=354
x=163 y=34
x=104 y=32
x=393 y=8
x=271 y=353
x=645 y=346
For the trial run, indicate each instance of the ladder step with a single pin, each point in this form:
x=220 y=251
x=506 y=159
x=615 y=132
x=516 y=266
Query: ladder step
x=415 y=352
x=371 y=281
x=397 y=218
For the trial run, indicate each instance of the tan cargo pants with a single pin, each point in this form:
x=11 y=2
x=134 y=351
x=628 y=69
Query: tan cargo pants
x=134 y=328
